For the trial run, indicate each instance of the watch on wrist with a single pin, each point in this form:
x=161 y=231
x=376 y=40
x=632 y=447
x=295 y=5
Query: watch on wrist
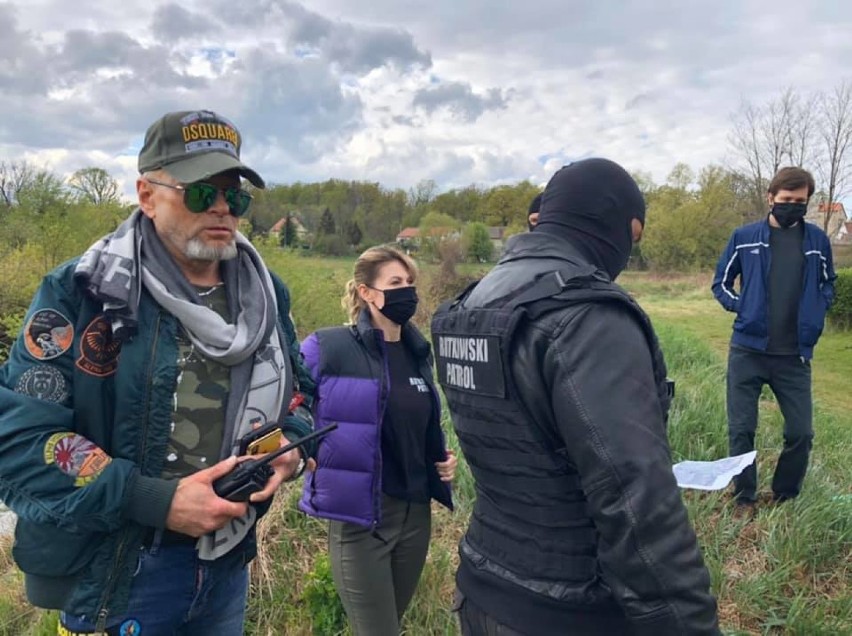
x=299 y=469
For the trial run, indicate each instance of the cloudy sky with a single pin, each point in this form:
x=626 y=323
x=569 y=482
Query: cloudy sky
x=396 y=91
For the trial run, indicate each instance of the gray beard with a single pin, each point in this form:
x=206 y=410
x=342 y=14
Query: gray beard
x=198 y=251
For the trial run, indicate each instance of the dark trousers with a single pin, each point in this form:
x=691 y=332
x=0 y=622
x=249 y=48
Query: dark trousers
x=789 y=377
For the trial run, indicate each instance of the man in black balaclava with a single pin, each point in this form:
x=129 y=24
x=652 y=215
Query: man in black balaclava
x=560 y=409
x=597 y=207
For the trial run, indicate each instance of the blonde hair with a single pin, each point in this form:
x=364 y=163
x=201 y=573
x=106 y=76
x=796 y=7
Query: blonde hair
x=366 y=271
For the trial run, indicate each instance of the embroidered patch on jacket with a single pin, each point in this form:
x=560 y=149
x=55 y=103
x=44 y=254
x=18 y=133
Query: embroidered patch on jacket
x=99 y=352
x=130 y=628
x=43 y=382
x=48 y=334
x=76 y=456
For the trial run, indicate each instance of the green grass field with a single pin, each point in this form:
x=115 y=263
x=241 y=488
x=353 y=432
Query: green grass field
x=785 y=571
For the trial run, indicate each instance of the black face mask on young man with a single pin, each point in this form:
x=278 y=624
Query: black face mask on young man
x=400 y=304
x=788 y=214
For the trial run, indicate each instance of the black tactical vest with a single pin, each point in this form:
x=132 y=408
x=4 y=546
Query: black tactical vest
x=530 y=524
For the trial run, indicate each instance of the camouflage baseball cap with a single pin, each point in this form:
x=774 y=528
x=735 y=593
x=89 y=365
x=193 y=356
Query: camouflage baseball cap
x=193 y=145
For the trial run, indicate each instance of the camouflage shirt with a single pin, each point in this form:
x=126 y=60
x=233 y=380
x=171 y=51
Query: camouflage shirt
x=198 y=422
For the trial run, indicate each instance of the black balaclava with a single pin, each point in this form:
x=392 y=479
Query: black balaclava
x=535 y=205
x=591 y=204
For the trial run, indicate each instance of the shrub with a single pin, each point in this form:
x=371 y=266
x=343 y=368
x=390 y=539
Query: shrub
x=437 y=286
x=331 y=245
x=840 y=313
x=320 y=595
x=476 y=243
x=10 y=327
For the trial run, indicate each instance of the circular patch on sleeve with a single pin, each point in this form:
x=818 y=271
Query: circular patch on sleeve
x=99 y=352
x=43 y=382
x=48 y=334
x=76 y=456
x=130 y=627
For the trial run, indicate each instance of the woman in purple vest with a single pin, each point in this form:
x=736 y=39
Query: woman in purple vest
x=377 y=474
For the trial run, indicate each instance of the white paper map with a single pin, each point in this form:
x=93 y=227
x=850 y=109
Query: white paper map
x=711 y=475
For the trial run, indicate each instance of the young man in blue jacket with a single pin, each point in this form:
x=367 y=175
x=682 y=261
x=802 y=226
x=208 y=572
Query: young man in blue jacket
x=140 y=367
x=786 y=285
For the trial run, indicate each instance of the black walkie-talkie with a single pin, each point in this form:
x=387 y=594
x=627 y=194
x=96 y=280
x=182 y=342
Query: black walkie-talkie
x=251 y=475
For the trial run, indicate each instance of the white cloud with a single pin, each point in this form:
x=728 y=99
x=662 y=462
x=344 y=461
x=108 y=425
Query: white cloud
x=396 y=92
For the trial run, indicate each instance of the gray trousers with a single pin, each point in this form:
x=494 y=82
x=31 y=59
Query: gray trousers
x=789 y=377
x=376 y=572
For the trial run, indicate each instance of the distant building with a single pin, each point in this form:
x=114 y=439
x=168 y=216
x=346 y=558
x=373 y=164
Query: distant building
x=409 y=239
x=301 y=232
x=496 y=235
x=408 y=234
x=817 y=213
x=844 y=234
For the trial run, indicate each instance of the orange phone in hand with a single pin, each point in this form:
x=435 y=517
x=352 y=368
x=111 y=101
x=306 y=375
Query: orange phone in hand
x=261 y=440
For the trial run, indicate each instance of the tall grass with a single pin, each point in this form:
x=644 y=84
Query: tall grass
x=787 y=570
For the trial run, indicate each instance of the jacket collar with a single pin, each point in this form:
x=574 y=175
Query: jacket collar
x=539 y=245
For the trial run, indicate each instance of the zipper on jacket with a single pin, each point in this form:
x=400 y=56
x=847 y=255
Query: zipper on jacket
x=103 y=612
x=384 y=389
x=141 y=454
x=100 y=626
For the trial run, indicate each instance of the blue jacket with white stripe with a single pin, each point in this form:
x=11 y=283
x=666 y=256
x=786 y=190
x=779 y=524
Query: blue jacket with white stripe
x=748 y=257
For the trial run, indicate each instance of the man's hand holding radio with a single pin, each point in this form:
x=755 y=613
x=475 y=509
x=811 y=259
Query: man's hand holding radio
x=285 y=468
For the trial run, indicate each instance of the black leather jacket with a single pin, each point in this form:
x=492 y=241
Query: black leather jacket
x=585 y=372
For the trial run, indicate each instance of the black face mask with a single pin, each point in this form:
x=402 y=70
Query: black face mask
x=788 y=214
x=400 y=304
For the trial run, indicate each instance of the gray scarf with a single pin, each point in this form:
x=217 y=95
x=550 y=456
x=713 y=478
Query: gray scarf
x=115 y=269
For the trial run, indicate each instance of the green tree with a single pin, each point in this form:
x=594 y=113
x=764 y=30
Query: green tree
x=499 y=206
x=681 y=177
x=436 y=228
x=327 y=225
x=687 y=230
x=477 y=243
x=330 y=245
x=353 y=234
x=95 y=185
x=461 y=204
x=43 y=193
x=506 y=204
x=437 y=224
x=287 y=235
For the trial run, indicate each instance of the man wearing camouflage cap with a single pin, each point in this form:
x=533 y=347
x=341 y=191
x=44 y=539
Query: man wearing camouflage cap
x=170 y=342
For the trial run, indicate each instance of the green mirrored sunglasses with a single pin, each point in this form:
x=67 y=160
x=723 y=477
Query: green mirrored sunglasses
x=199 y=196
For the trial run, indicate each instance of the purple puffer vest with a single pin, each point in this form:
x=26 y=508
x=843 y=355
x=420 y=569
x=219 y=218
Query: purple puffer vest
x=350 y=368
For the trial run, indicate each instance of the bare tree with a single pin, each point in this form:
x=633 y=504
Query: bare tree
x=804 y=126
x=835 y=132
x=15 y=176
x=765 y=138
x=95 y=185
x=422 y=193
